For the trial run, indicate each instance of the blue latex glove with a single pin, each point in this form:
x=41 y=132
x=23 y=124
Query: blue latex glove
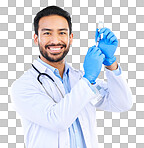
x=93 y=63
x=108 y=45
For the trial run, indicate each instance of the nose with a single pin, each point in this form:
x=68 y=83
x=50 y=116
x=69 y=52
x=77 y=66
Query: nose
x=55 y=39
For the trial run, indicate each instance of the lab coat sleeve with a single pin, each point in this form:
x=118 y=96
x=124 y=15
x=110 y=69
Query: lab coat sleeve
x=37 y=107
x=116 y=94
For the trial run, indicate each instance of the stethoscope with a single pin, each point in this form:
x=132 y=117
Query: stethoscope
x=44 y=74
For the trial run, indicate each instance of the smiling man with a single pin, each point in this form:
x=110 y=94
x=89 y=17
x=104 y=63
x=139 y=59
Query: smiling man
x=56 y=102
x=54 y=39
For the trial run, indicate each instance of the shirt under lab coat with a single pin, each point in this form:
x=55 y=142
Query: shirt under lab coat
x=46 y=123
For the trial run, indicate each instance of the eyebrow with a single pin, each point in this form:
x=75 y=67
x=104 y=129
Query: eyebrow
x=62 y=29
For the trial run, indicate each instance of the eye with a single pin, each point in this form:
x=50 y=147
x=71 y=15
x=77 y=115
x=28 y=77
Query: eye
x=62 y=33
x=47 y=33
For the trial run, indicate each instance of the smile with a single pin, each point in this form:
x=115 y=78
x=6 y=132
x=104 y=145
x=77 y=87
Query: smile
x=55 y=49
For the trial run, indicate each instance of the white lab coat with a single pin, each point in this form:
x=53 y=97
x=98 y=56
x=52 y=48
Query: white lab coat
x=46 y=123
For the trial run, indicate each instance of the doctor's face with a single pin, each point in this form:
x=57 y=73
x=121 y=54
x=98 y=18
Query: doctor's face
x=53 y=37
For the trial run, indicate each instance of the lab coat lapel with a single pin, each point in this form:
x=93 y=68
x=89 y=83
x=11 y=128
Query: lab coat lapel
x=74 y=76
x=85 y=130
x=58 y=82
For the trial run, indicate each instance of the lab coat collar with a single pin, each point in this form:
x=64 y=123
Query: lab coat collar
x=47 y=65
x=39 y=66
x=43 y=67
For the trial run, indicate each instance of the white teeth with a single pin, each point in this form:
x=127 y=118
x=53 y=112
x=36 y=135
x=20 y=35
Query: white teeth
x=55 y=48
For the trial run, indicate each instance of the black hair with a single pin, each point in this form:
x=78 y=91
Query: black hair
x=51 y=10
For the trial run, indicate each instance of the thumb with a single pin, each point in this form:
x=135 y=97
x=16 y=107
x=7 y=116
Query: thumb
x=96 y=35
x=103 y=57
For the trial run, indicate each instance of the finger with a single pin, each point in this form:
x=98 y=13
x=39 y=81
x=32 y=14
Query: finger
x=102 y=56
x=106 y=33
x=110 y=35
x=91 y=49
x=97 y=51
x=115 y=42
x=102 y=30
x=113 y=39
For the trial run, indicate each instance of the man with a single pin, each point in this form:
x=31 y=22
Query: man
x=57 y=103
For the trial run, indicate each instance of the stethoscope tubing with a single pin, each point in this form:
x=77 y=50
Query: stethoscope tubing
x=38 y=78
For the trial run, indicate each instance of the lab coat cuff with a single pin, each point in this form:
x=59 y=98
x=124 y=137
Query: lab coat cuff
x=95 y=89
x=89 y=84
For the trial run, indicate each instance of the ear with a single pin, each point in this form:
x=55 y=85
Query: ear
x=71 y=38
x=36 y=39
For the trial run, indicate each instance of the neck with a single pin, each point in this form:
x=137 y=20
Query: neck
x=59 y=65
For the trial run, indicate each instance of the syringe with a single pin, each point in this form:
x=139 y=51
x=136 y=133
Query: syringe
x=100 y=26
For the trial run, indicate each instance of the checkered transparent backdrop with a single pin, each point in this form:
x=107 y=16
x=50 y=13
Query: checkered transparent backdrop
x=17 y=51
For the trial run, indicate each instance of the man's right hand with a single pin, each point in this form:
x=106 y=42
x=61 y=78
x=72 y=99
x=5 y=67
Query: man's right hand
x=93 y=63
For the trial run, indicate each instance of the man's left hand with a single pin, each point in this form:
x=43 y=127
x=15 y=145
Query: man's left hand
x=108 y=45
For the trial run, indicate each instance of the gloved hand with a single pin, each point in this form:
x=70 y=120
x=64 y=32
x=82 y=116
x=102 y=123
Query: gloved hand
x=93 y=63
x=108 y=45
